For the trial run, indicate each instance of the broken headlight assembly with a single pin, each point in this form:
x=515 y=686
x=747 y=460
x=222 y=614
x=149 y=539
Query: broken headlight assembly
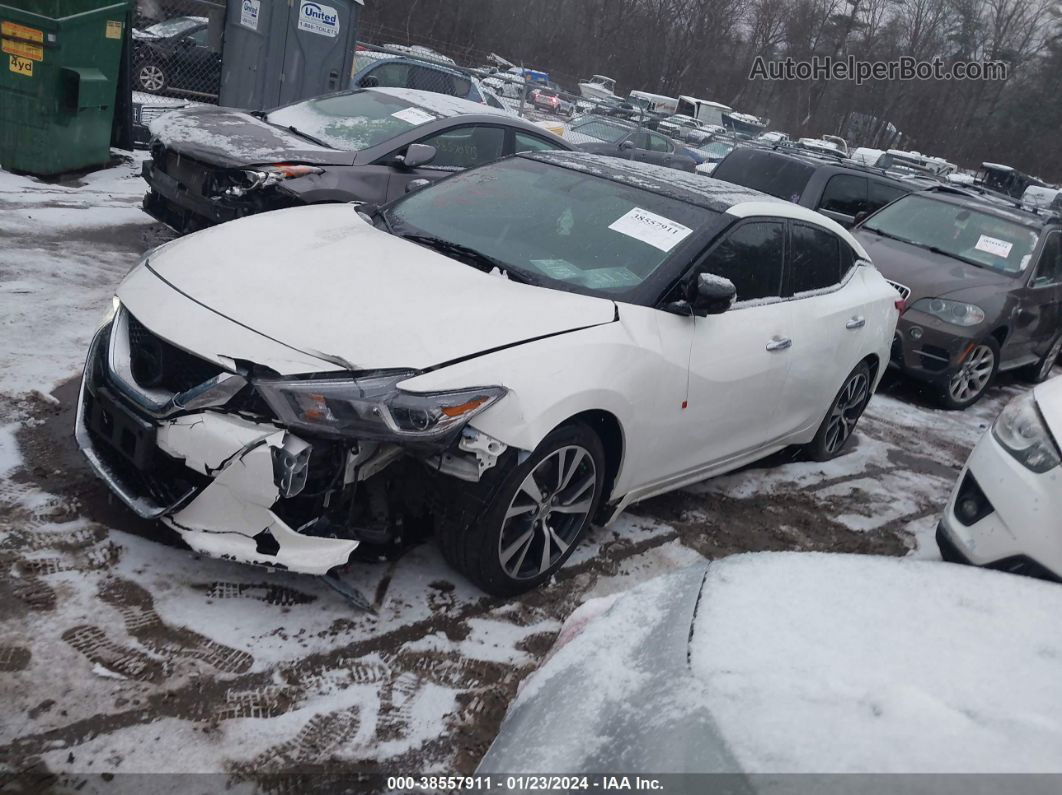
x=373 y=407
x=1020 y=430
x=248 y=179
x=957 y=313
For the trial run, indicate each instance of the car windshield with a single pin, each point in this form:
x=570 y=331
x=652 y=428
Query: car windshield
x=171 y=27
x=354 y=121
x=601 y=130
x=979 y=238
x=552 y=225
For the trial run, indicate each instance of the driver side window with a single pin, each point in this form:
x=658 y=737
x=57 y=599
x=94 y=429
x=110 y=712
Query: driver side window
x=465 y=147
x=751 y=257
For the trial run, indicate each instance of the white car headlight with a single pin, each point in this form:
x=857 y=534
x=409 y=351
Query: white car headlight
x=954 y=312
x=1020 y=430
x=373 y=407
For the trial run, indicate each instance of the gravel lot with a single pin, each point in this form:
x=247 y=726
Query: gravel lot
x=122 y=651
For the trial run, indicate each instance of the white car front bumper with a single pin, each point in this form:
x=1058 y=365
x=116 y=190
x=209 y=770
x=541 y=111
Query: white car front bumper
x=1023 y=530
x=218 y=485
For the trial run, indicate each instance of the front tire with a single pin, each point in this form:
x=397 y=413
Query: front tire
x=969 y=383
x=535 y=517
x=840 y=421
x=1039 y=372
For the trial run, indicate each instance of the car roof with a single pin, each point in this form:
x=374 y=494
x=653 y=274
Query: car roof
x=822 y=160
x=443 y=104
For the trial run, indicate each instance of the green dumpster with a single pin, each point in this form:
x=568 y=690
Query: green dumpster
x=59 y=62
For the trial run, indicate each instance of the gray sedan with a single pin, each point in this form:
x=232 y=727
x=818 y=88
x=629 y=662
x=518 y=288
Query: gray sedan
x=210 y=164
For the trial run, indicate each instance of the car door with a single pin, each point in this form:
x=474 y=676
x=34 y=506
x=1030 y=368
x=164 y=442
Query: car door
x=739 y=359
x=1038 y=314
x=661 y=150
x=829 y=301
x=457 y=148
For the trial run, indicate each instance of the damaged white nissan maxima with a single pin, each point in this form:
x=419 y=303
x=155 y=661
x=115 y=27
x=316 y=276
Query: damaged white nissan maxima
x=499 y=358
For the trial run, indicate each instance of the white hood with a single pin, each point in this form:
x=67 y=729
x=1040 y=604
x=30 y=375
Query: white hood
x=324 y=282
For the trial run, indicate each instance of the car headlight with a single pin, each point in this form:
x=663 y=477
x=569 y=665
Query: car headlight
x=1020 y=430
x=373 y=407
x=955 y=312
x=249 y=179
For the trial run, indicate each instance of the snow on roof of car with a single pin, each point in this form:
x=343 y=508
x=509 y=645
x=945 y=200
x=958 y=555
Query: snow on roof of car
x=443 y=104
x=842 y=663
x=696 y=189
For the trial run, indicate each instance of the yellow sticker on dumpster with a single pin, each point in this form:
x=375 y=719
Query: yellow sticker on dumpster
x=20 y=66
x=32 y=51
x=114 y=29
x=17 y=31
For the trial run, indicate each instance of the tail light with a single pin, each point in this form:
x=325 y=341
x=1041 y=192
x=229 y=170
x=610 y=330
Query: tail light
x=901 y=305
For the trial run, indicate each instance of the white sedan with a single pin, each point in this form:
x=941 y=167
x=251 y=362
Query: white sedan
x=1005 y=508
x=500 y=359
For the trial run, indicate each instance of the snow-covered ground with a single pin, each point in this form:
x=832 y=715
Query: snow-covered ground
x=121 y=651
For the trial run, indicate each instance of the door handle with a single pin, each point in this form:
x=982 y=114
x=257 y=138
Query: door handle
x=857 y=321
x=779 y=344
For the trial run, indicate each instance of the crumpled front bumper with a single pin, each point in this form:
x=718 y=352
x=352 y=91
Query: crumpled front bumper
x=226 y=511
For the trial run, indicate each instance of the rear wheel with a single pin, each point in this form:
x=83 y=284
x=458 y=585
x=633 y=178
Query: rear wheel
x=968 y=384
x=840 y=421
x=534 y=519
x=1039 y=372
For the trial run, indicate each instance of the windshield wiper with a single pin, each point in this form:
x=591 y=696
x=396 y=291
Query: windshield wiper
x=308 y=137
x=477 y=259
x=877 y=231
x=943 y=253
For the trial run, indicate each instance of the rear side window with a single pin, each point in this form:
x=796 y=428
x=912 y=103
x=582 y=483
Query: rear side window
x=815 y=259
x=777 y=175
x=751 y=257
x=531 y=143
x=882 y=193
x=845 y=194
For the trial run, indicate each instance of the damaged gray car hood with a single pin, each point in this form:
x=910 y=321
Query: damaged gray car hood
x=323 y=281
x=231 y=138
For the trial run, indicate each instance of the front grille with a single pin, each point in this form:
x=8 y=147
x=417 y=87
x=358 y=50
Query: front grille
x=156 y=364
x=195 y=176
x=903 y=290
x=164 y=480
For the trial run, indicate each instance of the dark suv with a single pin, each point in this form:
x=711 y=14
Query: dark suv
x=982 y=281
x=838 y=189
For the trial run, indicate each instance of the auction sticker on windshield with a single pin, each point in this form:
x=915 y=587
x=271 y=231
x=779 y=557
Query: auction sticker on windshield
x=993 y=245
x=650 y=228
x=413 y=116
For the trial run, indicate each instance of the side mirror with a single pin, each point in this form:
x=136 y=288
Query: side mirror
x=860 y=217
x=369 y=82
x=417 y=184
x=709 y=294
x=626 y=146
x=416 y=155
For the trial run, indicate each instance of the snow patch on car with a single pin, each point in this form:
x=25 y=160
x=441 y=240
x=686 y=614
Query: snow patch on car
x=919 y=666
